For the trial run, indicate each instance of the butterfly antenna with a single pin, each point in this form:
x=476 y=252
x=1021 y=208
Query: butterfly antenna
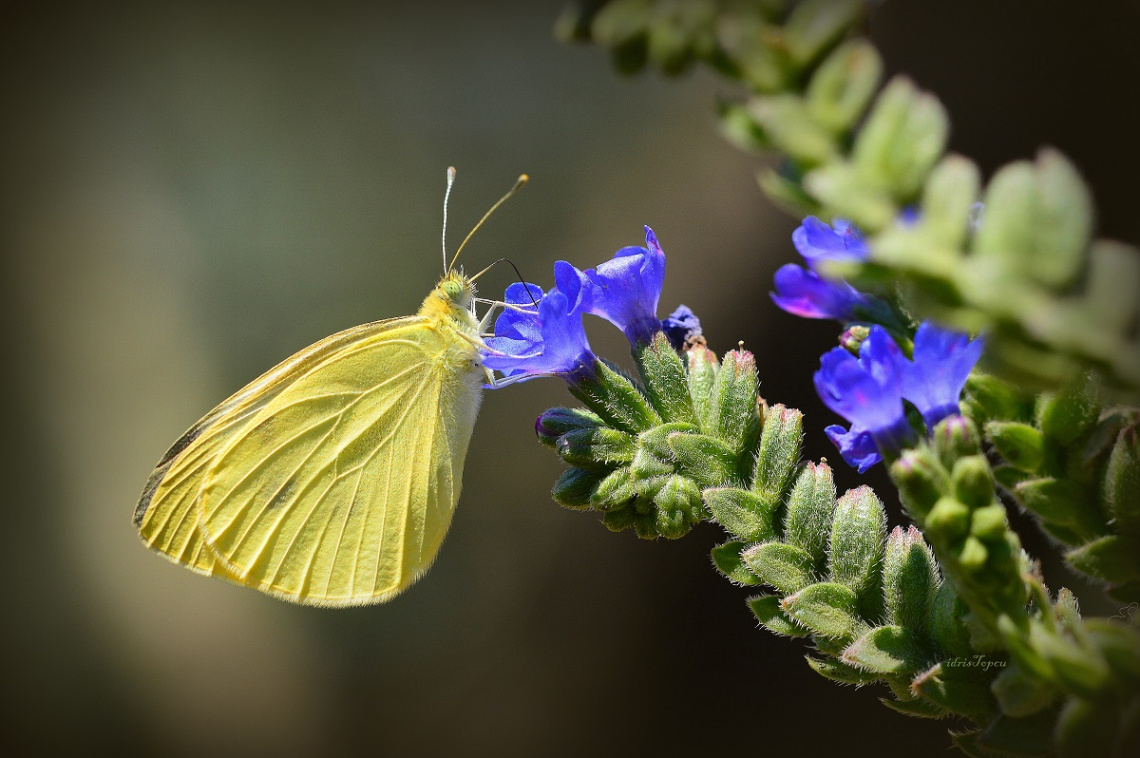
x=517 y=273
x=523 y=179
x=446 y=195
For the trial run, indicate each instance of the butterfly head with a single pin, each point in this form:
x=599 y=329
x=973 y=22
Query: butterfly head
x=453 y=297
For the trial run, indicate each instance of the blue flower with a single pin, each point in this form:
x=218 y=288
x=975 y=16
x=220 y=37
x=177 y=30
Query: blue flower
x=816 y=241
x=530 y=342
x=680 y=326
x=934 y=379
x=805 y=293
x=624 y=290
x=867 y=391
x=856 y=445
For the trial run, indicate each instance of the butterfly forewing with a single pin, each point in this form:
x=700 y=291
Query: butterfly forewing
x=339 y=490
x=166 y=516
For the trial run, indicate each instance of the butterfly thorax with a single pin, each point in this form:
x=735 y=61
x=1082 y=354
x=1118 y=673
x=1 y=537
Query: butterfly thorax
x=452 y=302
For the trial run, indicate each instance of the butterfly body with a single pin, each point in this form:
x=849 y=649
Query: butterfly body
x=332 y=478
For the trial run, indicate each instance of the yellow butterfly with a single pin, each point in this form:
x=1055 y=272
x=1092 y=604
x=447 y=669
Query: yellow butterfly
x=331 y=479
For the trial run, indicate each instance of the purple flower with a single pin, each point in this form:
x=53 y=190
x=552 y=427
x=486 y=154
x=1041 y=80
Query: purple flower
x=933 y=380
x=681 y=325
x=805 y=293
x=624 y=290
x=867 y=391
x=816 y=241
x=529 y=342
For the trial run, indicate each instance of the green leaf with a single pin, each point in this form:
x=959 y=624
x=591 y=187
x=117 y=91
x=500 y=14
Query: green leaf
x=855 y=552
x=807 y=523
x=887 y=650
x=1063 y=223
x=836 y=671
x=843 y=191
x=771 y=616
x=815 y=25
x=787 y=125
x=785 y=567
x=902 y=139
x=1064 y=502
x=1086 y=728
x=1070 y=414
x=1020 y=736
x=959 y=687
x=844 y=84
x=947 y=200
x=923 y=709
x=742 y=513
x=1113 y=558
x=827 y=609
x=727 y=560
x=1122 y=483
x=780 y=447
x=617 y=488
x=947 y=621
x=1020 y=694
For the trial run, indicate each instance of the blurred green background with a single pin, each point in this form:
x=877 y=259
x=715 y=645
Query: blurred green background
x=192 y=191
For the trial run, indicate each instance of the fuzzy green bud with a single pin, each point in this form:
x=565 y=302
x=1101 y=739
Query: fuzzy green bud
x=741 y=512
x=921 y=480
x=702 y=458
x=827 y=608
x=855 y=552
x=910 y=579
x=972 y=481
x=988 y=523
x=815 y=25
x=948 y=521
x=1122 y=483
x=728 y=561
x=807 y=523
x=785 y=567
x=887 y=650
x=702 y=367
x=597 y=446
x=1022 y=445
x=772 y=617
x=844 y=84
x=575 y=488
x=678 y=507
x=955 y=437
x=779 y=452
x=555 y=422
x=615 y=398
x=736 y=418
x=664 y=377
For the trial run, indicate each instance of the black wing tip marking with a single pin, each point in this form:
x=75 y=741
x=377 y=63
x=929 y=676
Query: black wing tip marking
x=162 y=468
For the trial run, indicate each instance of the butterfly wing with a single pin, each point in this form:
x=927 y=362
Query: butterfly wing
x=165 y=515
x=340 y=488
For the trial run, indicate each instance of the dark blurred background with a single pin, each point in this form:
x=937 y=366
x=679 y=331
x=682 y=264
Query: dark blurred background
x=191 y=191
